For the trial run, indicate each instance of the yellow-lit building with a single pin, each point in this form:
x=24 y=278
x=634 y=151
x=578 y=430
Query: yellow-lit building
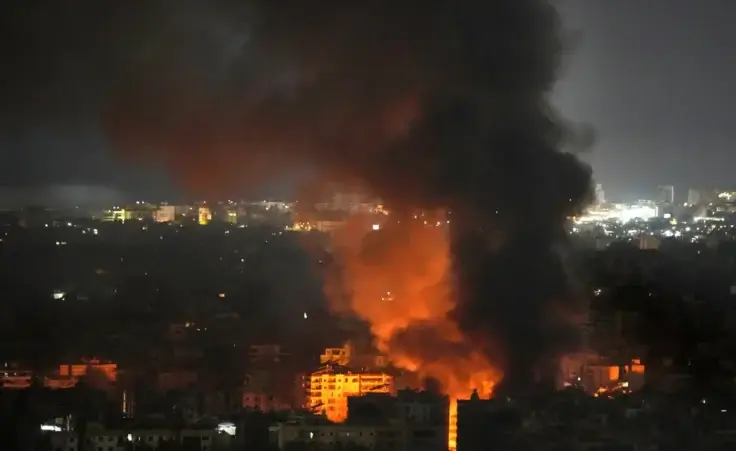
x=204 y=215
x=347 y=356
x=118 y=214
x=330 y=387
x=338 y=356
x=232 y=217
x=128 y=213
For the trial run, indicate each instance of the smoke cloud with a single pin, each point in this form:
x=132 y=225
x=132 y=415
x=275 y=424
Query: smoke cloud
x=431 y=104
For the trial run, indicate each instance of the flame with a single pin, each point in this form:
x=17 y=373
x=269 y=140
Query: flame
x=410 y=261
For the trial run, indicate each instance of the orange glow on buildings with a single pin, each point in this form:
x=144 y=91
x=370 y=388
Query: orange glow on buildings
x=15 y=378
x=409 y=259
x=108 y=369
x=452 y=426
x=337 y=356
x=636 y=367
x=330 y=388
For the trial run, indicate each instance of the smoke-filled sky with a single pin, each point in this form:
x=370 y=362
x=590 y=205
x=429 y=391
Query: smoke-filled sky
x=432 y=105
x=654 y=77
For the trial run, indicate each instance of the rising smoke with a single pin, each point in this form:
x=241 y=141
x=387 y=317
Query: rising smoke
x=431 y=104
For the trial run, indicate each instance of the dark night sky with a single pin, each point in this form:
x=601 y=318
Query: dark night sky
x=654 y=77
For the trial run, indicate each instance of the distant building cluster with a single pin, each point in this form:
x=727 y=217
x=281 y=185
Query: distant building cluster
x=409 y=420
x=708 y=216
x=68 y=375
x=176 y=301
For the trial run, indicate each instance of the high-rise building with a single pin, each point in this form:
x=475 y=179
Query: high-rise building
x=600 y=196
x=666 y=194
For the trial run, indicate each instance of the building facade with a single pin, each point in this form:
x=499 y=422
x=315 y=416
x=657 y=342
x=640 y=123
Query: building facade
x=330 y=387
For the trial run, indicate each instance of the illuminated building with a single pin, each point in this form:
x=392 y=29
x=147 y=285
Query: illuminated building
x=347 y=356
x=165 y=213
x=619 y=212
x=138 y=212
x=330 y=387
x=232 y=217
x=337 y=356
x=319 y=225
x=12 y=377
x=486 y=387
x=588 y=372
x=300 y=227
x=110 y=370
x=127 y=403
x=205 y=215
x=56 y=383
x=15 y=379
x=119 y=214
x=600 y=196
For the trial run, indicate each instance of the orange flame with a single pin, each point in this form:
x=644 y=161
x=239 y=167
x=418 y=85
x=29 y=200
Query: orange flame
x=399 y=278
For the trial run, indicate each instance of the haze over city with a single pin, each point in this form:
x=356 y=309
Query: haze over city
x=652 y=77
x=387 y=225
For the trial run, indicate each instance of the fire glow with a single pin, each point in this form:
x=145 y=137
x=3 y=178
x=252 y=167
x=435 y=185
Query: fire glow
x=415 y=331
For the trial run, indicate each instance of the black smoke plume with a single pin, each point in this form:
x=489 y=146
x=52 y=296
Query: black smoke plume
x=427 y=103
